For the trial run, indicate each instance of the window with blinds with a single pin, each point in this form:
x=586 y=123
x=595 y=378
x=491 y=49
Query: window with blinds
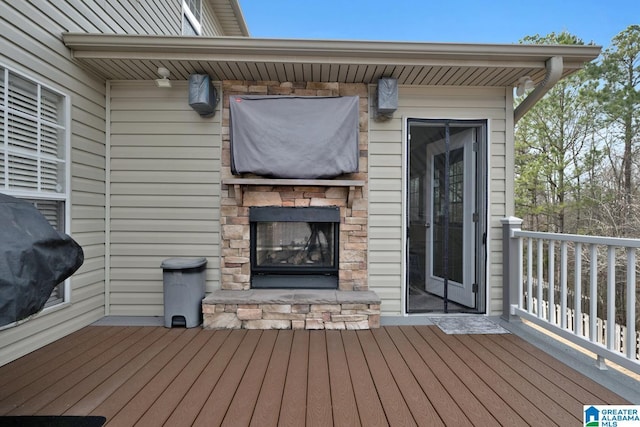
x=33 y=135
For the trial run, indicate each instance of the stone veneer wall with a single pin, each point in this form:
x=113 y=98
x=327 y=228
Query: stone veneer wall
x=291 y=309
x=235 y=261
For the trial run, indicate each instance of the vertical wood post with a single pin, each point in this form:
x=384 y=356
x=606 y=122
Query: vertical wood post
x=511 y=266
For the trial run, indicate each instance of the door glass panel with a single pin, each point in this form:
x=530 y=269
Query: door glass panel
x=455 y=212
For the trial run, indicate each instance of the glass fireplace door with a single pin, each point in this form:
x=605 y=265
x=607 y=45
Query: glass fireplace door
x=294 y=247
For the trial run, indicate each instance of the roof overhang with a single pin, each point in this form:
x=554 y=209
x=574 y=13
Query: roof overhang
x=229 y=15
x=137 y=57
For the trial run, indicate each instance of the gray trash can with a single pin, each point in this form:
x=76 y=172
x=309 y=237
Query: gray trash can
x=183 y=282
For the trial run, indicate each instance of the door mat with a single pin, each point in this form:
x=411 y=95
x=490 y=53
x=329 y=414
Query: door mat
x=51 y=421
x=468 y=325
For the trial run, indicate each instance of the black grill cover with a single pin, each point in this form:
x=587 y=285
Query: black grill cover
x=34 y=259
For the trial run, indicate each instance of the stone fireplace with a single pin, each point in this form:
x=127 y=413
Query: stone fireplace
x=246 y=268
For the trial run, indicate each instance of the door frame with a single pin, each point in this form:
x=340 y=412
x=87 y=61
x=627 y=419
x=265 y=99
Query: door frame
x=480 y=249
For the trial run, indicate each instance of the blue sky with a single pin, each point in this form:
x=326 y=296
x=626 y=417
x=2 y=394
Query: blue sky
x=466 y=21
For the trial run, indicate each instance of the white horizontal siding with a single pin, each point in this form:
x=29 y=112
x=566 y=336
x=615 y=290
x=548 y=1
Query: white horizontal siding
x=165 y=192
x=386 y=181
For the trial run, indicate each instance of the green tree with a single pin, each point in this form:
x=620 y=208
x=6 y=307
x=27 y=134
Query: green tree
x=618 y=96
x=552 y=149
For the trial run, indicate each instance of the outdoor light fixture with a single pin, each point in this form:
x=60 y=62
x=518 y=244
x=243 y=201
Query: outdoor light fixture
x=164 y=80
x=524 y=83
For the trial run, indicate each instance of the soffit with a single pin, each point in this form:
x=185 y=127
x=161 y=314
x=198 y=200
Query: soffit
x=126 y=57
x=229 y=14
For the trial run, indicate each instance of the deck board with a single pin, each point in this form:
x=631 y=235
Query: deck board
x=31 y=364
x=90 y=380
x=318 y=389
x=190 y=404
x=465 y=399
x=343 y=401
x=443 y=403
x=215 y=408
x=553 y=374
x=369 y=405
x=468 y=352
x=53 y=382
x=396 y=410
x=407 y=375
x=294 y=399
x=162 y=407
x=521 y=380
x=418 y=403
x=267 y=410
x=603 y=395
x=117 y=401
x=505 y=415
x=243 y=404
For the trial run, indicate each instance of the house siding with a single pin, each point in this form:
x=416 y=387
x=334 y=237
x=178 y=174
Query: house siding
x=386 y=159
x=165 y=192
x=32 y=46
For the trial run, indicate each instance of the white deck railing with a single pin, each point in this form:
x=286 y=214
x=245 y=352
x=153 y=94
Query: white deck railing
x=567 y=284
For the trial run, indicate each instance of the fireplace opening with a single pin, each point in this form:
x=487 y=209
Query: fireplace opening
x=294 y=247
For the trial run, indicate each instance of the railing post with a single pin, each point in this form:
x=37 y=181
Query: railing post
x=511 y=266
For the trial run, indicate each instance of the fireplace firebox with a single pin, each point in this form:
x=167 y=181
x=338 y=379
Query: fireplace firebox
x=294 y=247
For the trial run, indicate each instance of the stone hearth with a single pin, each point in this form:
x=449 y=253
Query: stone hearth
x=291 y=309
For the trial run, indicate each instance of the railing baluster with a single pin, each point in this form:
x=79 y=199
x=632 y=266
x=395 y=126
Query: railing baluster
x=530 y=275
x=593 y=294
x=551 y=316
x=611 y=297
x=540 y=280
x=519 y=279
x=563 y=285
x=585 y=323
x=577 y=289
x=631 y=339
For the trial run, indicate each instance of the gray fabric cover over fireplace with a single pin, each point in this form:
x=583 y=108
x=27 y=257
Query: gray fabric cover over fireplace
x=294 y=136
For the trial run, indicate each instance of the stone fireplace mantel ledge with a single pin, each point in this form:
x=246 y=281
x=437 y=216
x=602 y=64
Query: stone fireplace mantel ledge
x=238 y=184
x=291 y=309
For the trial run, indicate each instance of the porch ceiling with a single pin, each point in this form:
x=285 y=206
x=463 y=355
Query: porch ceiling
x=127 y=57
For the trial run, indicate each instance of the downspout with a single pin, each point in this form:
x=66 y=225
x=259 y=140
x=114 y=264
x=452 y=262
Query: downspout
x=554 y=66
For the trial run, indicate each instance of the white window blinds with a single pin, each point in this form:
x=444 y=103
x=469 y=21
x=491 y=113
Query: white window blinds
x=32 y=127
x=33 y=135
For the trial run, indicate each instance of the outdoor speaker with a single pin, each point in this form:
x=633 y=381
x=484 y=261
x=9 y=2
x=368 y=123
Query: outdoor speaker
x=202 y=95
x=387 y=95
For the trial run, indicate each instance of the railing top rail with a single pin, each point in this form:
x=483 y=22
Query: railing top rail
x=595 y=240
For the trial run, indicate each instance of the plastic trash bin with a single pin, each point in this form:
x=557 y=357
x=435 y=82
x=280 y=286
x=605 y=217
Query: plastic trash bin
x=183 y=283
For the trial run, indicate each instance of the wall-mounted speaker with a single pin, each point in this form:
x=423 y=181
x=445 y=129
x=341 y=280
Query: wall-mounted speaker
x=202 y=95
x=387 y=95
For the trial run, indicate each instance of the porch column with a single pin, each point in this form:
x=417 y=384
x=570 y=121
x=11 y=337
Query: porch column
x=511 y=266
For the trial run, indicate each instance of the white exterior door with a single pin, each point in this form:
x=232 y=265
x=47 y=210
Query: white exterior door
x=450 y=227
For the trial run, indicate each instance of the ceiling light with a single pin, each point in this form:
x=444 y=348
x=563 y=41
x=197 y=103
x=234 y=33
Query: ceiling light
x=524 y=83
x=164 y=80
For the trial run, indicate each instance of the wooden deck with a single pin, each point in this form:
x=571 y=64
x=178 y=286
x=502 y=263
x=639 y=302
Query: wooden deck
x=406 y=375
